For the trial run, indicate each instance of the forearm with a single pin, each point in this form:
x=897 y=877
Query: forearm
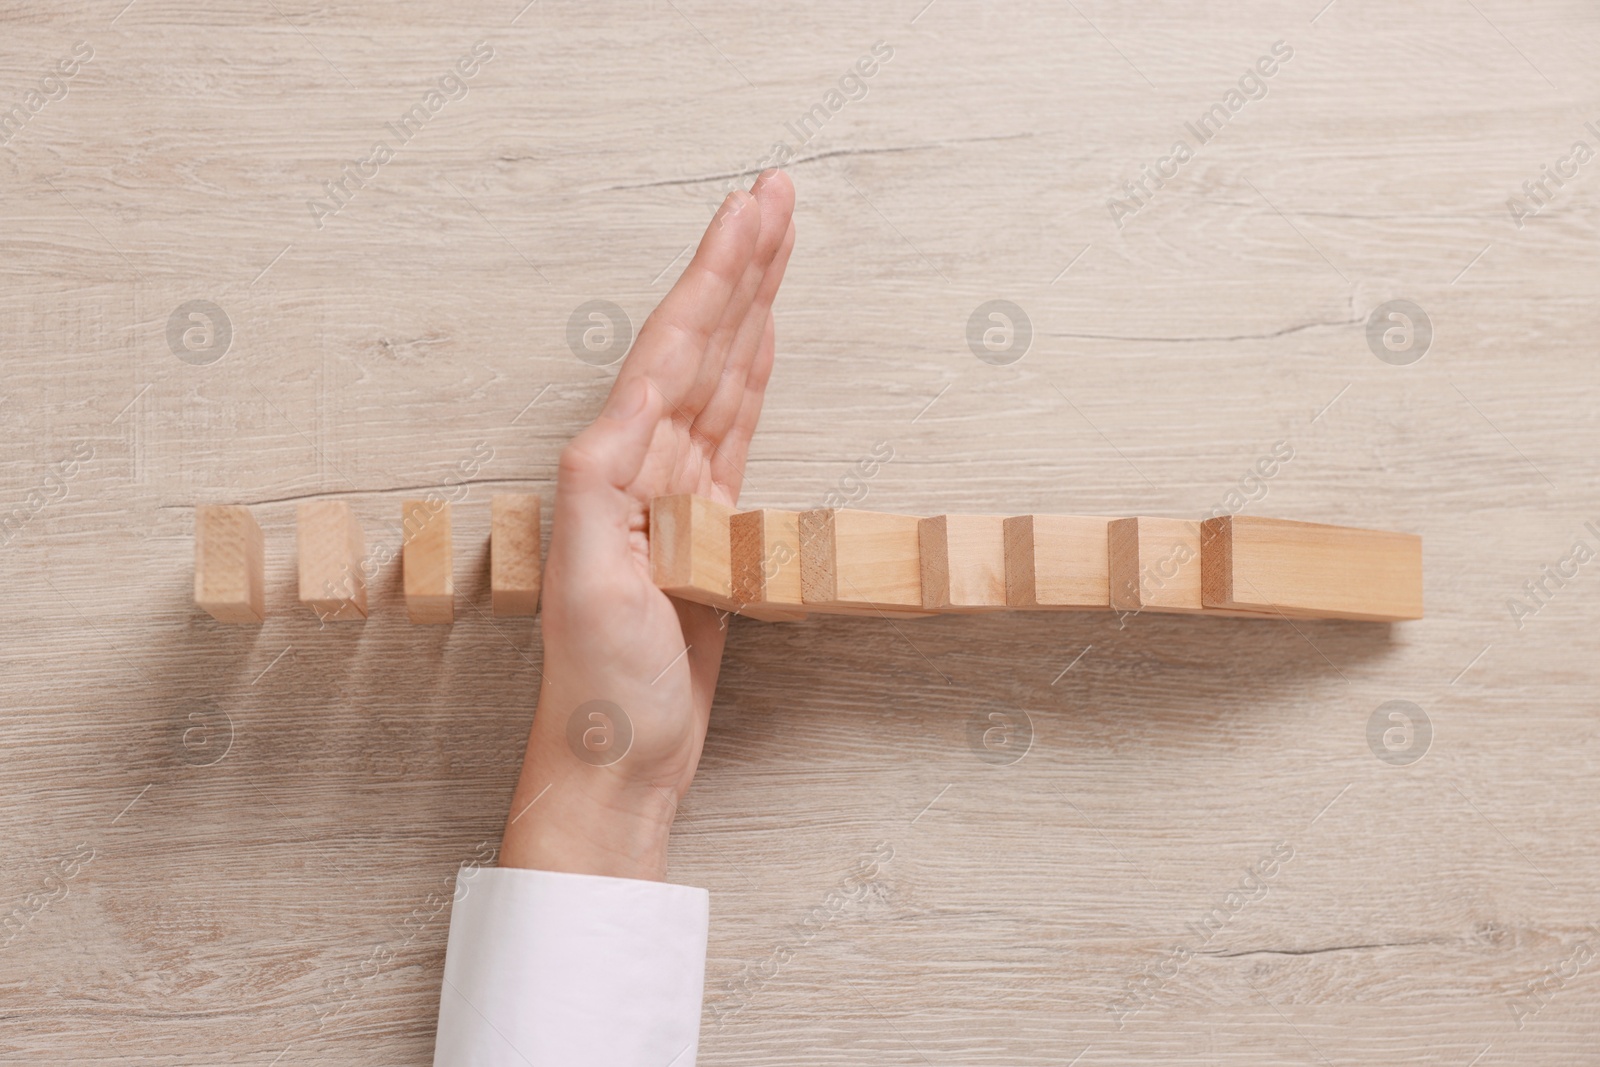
x=577 y=817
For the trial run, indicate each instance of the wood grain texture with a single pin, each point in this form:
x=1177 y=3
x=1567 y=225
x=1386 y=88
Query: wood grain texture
x=963 y=562
x=329 y=548
x=1057 y=562
x=860 y=562
x=428 y=561
x=236 y=844
x=1154 y=564
x=515 y=566
x=764 y=553
x=1310 y=570
x=227 y=563
x=689 y=549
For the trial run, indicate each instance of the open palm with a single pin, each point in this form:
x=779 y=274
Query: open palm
x=679 y=419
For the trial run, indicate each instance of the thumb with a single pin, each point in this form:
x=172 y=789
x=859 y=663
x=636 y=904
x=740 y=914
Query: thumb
x=597 y=466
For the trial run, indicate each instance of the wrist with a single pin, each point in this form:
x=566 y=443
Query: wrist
x=569 y=816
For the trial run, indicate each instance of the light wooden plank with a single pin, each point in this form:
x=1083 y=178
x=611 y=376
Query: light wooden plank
x=1057 y=562
x=1153 y=564
x=764 y=547
x=514 y=571
x=428 y=561
x=228 y=565
x=1310 y=570
x=963 y=562
x=860 y=562
x=329 y=546
x=689 y=549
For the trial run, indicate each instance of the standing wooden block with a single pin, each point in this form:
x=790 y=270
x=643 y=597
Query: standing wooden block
x=1057 y=561
x=428 y=559
x=860 y=562
x=329 y=546
x=764 y=551
x=689 y=549
x=963 y=562
x=229 y=575
x=1154 y=565
x=514 y=554
x=1309 y=570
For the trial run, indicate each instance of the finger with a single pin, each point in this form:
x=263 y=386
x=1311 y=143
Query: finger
x=774 y=192
x=773 y=195
x=594 y=511
x=719 y=413
x=727 y=462
x=672 y=343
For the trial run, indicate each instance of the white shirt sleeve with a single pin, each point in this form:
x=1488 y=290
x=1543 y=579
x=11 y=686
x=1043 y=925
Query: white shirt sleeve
x=571 y=970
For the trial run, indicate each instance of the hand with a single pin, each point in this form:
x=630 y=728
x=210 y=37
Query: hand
x=678 y=420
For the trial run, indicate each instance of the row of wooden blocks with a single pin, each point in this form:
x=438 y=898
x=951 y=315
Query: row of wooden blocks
x=229 y=572
x=777 y=565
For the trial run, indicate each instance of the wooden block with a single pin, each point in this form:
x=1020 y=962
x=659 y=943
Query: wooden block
x=428 y=559
x=329 y=546
x=860 y=562
x=963 y=562
x=229 y=575
x=1057 y=562
x=764 y=552
x=514 y=554
x=689 y=549
x=1154 y=565
x=1309 y=570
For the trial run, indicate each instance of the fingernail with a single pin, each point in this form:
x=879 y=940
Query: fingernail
x=763 y=178
x=627 y=401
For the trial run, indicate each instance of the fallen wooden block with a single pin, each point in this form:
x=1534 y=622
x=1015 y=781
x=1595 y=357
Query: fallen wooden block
x=764 y=549
x=860 y=562
x=428 y=560
x=1057 y=562
x=963 y=562
x=229 y=581
x=1154 y=565
x=1309 y=570
x=514 y=554
x=877 y=564
x=691 y=556
x=328 y=549
x=689 y=549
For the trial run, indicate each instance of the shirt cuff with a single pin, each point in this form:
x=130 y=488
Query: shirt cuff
x=545 y=969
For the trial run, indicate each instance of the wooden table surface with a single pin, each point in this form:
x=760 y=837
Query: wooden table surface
x=1011 y=840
